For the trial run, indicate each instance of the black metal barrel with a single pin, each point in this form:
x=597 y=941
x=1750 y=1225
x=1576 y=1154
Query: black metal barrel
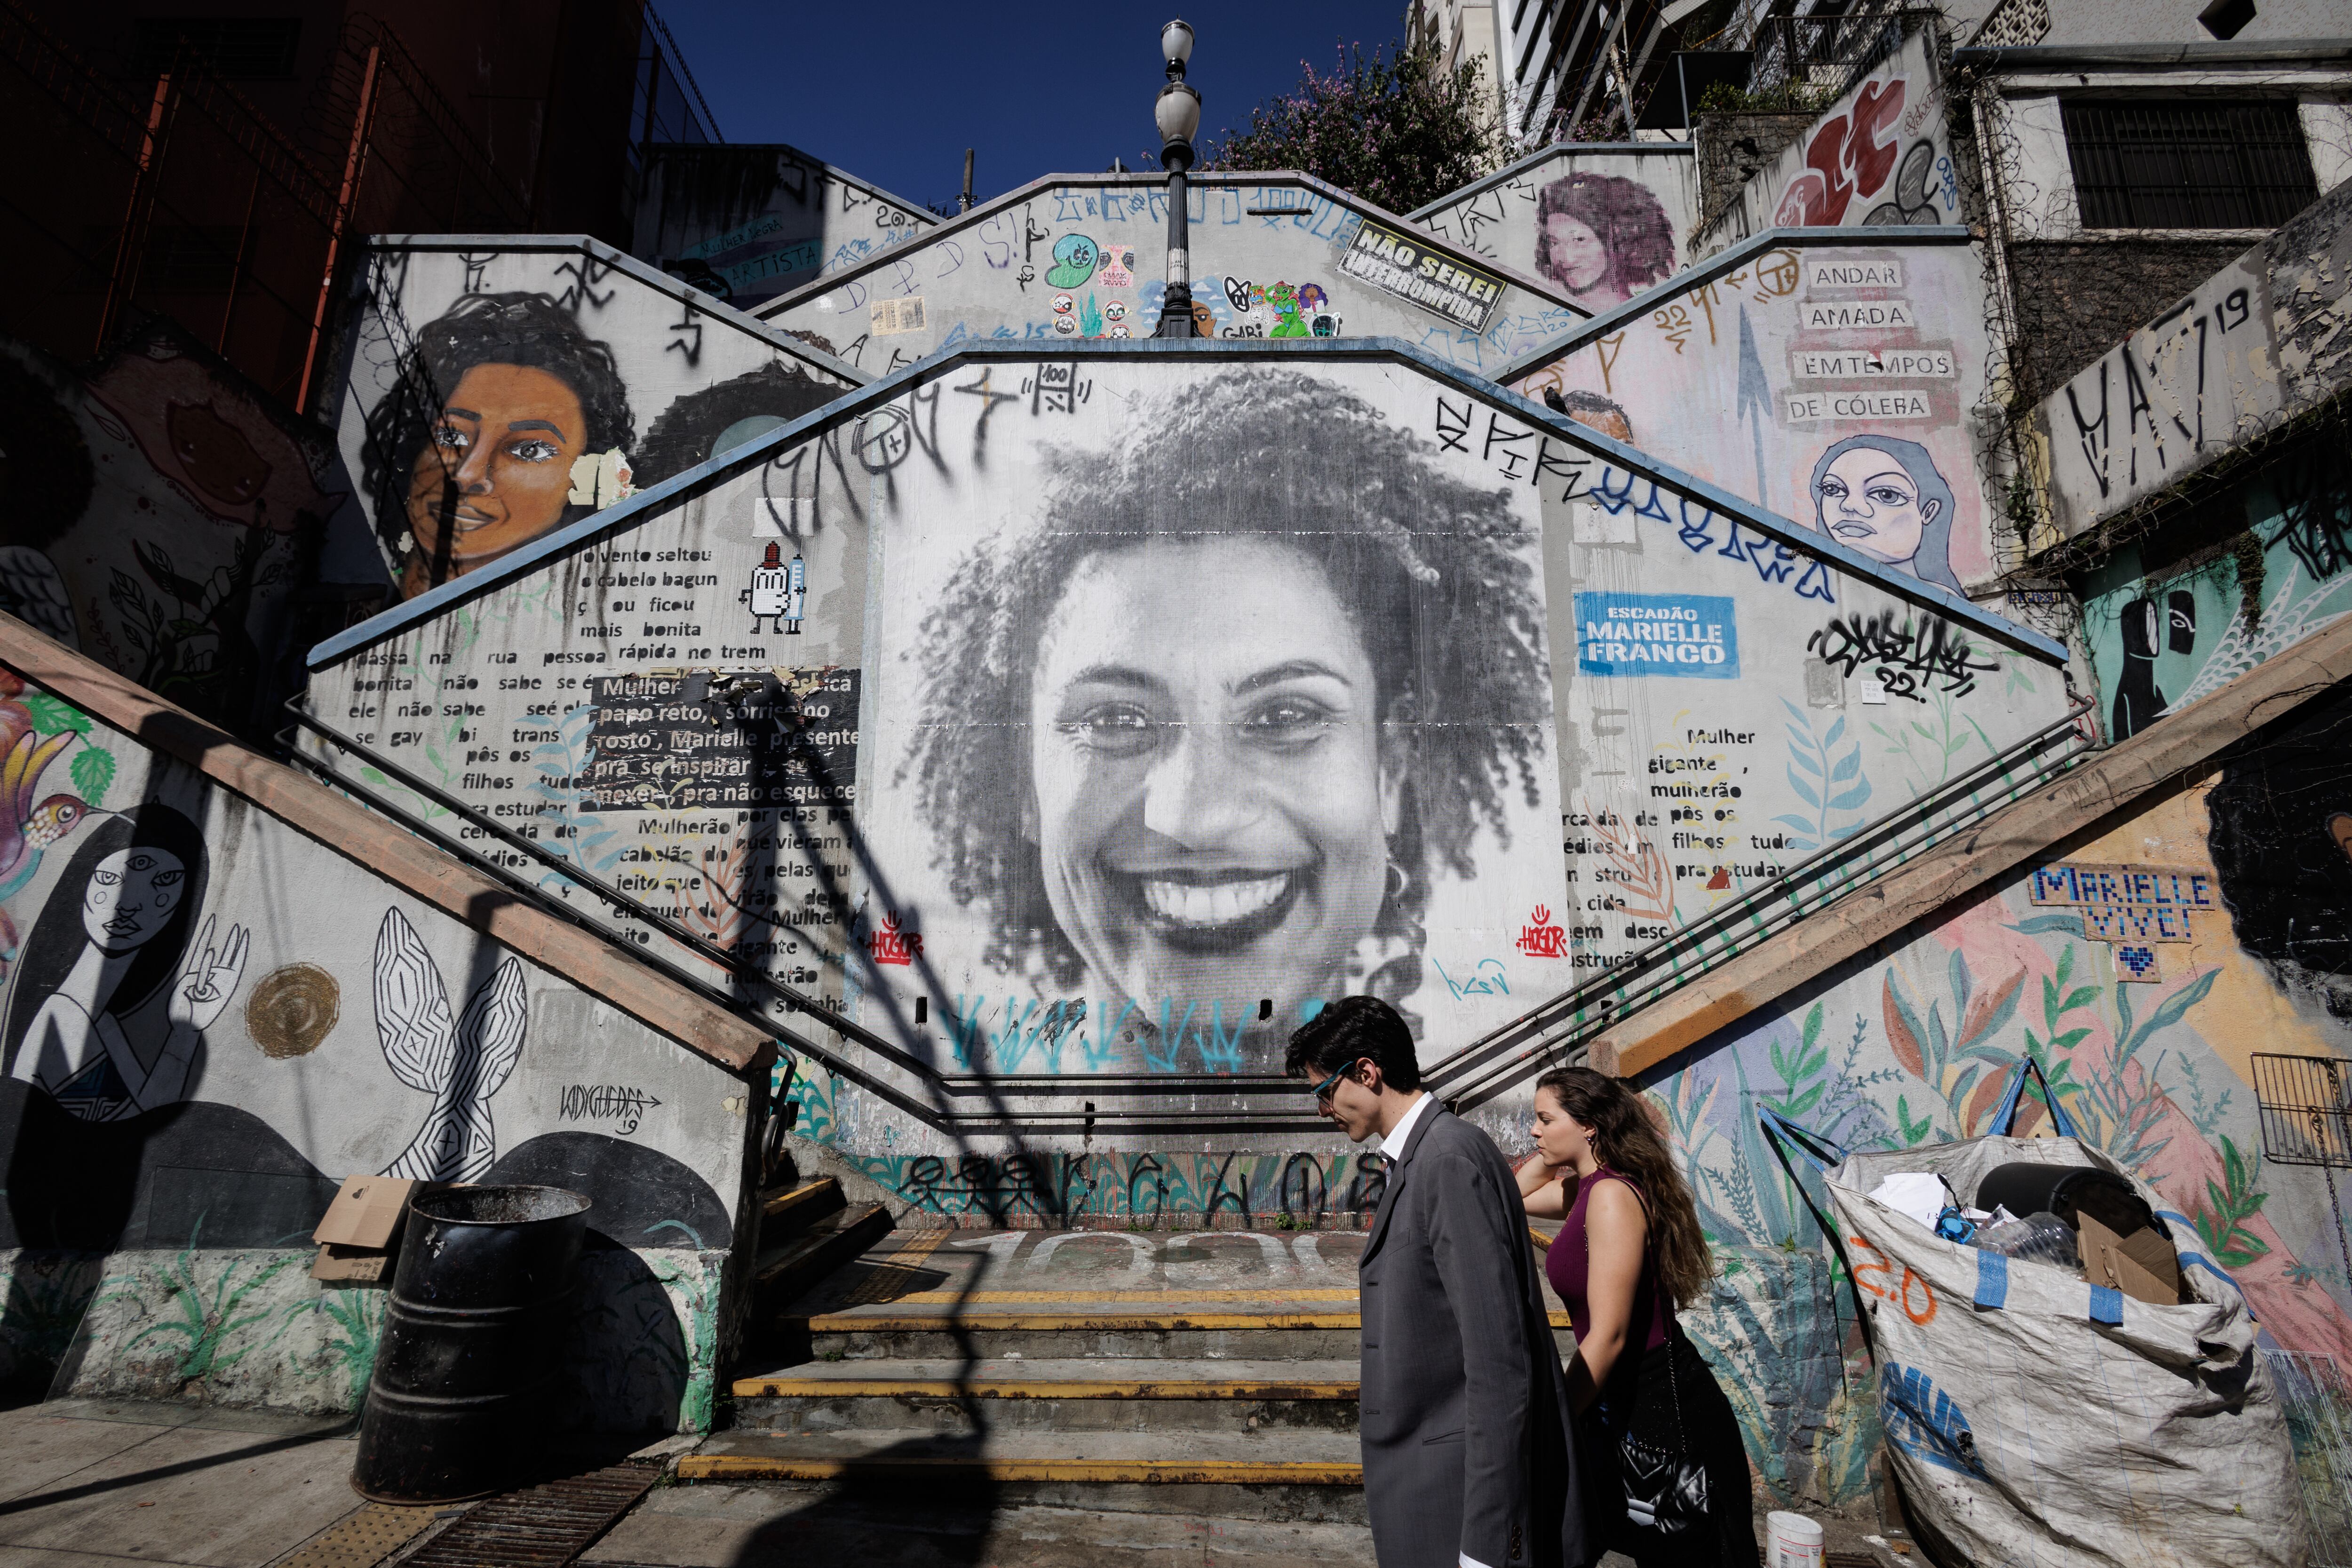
x=472 y=1342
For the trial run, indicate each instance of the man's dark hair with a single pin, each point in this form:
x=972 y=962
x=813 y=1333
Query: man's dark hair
x=1354 y=1029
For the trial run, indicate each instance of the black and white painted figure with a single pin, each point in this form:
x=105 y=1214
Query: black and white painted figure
x=459 y=1061
x=107 y=1017
x=1202 y=735
x=2138 y=700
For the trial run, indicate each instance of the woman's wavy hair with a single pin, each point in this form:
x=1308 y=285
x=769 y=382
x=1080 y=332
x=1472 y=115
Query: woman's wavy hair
x=1432 y=572
x=519 y=328
x=1627 y=217
x=1628 y=1142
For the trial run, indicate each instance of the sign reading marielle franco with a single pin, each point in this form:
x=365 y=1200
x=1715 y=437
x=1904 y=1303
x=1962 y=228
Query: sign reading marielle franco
x=668 y=742
x=1691 y=635
x=1408 y=269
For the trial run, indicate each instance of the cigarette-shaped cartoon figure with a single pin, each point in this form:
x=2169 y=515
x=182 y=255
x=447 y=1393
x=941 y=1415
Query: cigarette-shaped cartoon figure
x=778 y=592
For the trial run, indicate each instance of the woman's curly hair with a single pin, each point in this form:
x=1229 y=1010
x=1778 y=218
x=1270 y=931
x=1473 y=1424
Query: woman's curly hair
x=1431 y=569
x=519 y=328
x=1627 y=217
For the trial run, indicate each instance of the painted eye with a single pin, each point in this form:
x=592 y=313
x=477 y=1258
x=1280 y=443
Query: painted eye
x=449 y=438
x=1118 y=728
x=168 y=879
x=1833 y=488
x=106 y=878
x=1887 y=495
x=1287 y=721
x=532 y=450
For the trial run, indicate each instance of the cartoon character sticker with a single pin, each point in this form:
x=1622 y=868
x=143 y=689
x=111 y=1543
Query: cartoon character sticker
x=1284 y=301
x=1073 y=261
x=778 y=593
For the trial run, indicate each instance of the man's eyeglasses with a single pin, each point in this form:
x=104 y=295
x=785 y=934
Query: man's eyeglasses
x=1324 y=1090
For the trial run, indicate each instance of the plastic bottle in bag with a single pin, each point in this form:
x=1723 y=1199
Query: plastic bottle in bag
x=2040 y=1237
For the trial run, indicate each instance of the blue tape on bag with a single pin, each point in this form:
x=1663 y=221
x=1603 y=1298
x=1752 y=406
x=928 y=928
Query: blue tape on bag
x=1992 y=1280
x=2107 y=1305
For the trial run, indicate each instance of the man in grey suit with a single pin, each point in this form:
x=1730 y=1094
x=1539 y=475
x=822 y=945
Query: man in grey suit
x=1467 y=1459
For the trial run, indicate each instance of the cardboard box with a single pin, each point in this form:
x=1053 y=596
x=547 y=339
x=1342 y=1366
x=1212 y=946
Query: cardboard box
x=2143 y=1265
x=359 y=1236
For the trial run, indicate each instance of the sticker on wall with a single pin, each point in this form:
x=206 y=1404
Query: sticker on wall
x=1073 y=261
x=1692 y=635
x=601 y=478
x=1405 y=266
x=892 y=316
x=778 y=593
x=1118 y=266
x=1283 y=300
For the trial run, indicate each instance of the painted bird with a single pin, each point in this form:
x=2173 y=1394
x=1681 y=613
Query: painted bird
x=27 y=829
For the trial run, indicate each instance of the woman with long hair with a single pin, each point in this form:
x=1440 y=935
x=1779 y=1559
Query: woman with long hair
x=1667 y=1473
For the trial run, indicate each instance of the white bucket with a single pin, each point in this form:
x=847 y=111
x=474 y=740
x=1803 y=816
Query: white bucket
x=1792 y=1541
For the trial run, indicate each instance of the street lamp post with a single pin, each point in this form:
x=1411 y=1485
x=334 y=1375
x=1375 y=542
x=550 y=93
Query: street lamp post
x=1178 y=112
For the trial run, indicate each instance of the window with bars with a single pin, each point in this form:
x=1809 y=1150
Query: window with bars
x=2206 y=164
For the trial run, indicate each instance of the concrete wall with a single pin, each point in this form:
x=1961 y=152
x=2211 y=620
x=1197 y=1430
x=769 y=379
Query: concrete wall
x=1456 y=619
x=1759 y=365
x=1083 y=257
x=171 y=520
x=226 y=990
x=1624 y=214
x=1880 y=155
x=2263 y=341
x=626 y=376
x=748 y=223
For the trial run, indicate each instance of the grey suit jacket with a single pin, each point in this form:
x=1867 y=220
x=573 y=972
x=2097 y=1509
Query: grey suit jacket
x=1464 y=1408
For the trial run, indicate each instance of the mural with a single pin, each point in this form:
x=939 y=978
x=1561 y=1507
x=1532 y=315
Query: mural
x=492 y=396
x=1273 y=257
x=2268 y=562
x=1604 y=222
x=745 y=224
x=1851 y=375
x=1098 y=757
x=169 y=520
x=1916 y=1043
x=1881 y=156
x=184 y=1085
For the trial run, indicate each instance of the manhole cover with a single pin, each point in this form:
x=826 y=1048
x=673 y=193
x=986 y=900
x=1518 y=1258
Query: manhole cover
x=365 y=1539
x=542 y=1527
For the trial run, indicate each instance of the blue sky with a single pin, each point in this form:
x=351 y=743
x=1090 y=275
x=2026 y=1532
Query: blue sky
x=895 y=93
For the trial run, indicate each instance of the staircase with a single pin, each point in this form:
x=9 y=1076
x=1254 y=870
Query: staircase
x=808 y=1229
x=1129 y=1392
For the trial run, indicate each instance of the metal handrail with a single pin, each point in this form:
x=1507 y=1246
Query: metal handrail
x=1831 y=872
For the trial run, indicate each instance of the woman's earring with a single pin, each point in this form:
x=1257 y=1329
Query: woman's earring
x=1398 y=881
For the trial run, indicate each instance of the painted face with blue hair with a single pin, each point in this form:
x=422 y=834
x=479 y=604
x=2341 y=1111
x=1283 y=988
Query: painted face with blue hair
x=1885 y=497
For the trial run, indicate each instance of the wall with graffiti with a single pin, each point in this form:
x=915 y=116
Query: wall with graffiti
x=1042 y=745
x=210 y=1019
x=163 y=517
x=2263 y=342
x=2144 y=964
x=1841 y=385
x=1881 y=155
x=1273 y=257
x=748 y=223
x=1602 y=222
x=493 y=390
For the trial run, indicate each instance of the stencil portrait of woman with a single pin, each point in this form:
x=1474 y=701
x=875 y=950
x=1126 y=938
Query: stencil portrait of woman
x=1203 y=730
x=112 y=998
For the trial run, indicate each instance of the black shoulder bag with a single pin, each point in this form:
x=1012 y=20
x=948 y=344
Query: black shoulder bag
x=1664 y=1490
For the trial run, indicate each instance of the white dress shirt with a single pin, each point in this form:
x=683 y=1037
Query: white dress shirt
x=1393 y=1146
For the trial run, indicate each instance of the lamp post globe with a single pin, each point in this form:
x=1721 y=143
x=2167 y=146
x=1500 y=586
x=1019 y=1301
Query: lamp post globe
x=1177 y=112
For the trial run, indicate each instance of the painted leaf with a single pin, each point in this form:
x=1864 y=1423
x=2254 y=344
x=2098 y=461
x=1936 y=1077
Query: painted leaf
x=1981 y=1104
x=1805 y=761
x=1902 y=1032
x=53 y=715
x=2176 y=1007
x=1847 y=766
x=1852 y=799
x=1804 y=791
x=92 y=771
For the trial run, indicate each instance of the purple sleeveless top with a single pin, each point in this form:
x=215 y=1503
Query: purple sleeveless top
x=1568 y=1266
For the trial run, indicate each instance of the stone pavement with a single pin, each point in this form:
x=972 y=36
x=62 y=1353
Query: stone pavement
x=115 y=1481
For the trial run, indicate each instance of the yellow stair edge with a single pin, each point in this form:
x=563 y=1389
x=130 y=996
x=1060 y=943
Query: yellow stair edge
x=1034 y=1388
x=1101 y=1322
x=784 y=1202
x=1163 y=1472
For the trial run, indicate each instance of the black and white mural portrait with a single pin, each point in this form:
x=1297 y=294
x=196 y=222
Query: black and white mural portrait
x=1220 y=701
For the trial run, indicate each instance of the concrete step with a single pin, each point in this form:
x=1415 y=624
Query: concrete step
x=790 y=1525
x=826 y=1243
x=1065 y=1394
x=787 y=1212
x=1285 y=1474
